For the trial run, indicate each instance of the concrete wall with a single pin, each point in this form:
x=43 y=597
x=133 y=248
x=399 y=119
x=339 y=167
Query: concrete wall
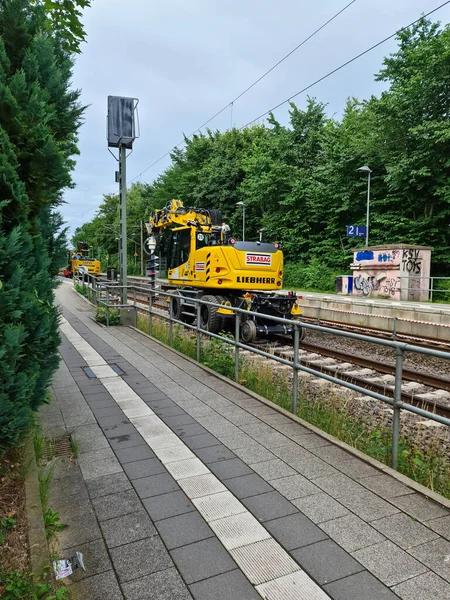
x=399 y=272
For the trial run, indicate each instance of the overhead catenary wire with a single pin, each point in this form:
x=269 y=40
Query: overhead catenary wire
x=345 y=64
x=248 y=88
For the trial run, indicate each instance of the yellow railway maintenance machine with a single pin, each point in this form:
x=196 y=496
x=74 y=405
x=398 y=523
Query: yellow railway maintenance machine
x=204 y=262
x=80 y=258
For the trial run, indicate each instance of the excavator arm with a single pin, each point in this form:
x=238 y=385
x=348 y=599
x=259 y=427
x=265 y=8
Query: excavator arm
x=175 y=214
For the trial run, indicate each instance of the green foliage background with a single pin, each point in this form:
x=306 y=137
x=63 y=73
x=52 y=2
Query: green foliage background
x=300 y=183
x=39 y=119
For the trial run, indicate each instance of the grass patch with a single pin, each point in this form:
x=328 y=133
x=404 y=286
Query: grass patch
x=427 y=467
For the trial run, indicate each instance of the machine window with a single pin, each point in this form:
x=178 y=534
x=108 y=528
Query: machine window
x=179 y=248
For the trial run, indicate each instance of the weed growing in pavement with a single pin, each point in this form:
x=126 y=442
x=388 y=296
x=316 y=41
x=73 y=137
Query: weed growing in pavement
x=75 y=447
x=45 y=477
x=51 y=522
x=428 y=467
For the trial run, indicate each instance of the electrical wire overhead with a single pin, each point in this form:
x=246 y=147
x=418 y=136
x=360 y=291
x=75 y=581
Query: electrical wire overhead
x=247 y=89
x=344 y=65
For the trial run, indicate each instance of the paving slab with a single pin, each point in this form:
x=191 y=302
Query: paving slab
x=389 y=563
x=143 y=468
x=226 y=469
x=423 y=587
x=108 y=484
x=228 y=586
x=273 y=469
x=155 y=485
x=183 y=529
x=116 y=505
x=168 y=505
x=98 y=587
x=361 y=586
x=202 y=560
x=419 y=507
x=404 y=531
x=351 y=532
x=295 y=486
x=140 y=558
x=294 y=531
x=248 y=485
x=435 y=555
x=127 y=528
x=133 y=454
x=162 y=585
x=320 y=507
x=269 y=506
x=325 y=561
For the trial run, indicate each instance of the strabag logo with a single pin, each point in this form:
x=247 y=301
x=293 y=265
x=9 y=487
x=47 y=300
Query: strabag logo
x=199 y=266
x=263 y=260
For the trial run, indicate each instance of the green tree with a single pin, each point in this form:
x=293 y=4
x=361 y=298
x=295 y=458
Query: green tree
x=39 y=119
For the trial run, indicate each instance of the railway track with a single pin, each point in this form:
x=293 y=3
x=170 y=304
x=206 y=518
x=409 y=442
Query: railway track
x=418 y=388
x=423 y=342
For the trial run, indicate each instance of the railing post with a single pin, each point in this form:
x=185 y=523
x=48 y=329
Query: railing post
x=94 y=290
x=431 y=290
x=318 y=314
x=150 y=314
x=198 y=330
x=397 y=401
x=395 y=327
x=237 y=324
x=170 y=321
x=295 y=371
x=107 y=307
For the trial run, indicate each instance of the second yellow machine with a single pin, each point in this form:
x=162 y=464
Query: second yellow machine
x=204 y=261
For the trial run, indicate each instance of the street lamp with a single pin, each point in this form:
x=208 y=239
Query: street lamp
x=261 y=231
x=243 y=219
x=365 y=169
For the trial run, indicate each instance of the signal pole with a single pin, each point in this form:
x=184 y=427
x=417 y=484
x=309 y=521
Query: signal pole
x=123 y=222
x=121 y=133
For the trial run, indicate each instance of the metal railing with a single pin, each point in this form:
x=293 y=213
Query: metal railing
x=431 y=289
x=108 y=295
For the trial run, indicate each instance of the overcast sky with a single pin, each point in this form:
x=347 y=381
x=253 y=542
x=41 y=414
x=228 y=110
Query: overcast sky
x=186 y=59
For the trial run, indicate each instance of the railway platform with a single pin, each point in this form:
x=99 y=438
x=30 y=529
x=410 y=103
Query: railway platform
x=186 y=486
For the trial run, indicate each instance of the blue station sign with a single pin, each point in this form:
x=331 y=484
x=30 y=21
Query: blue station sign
x=356 y=231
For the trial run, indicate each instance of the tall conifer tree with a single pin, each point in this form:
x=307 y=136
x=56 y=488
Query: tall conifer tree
x=39 y=119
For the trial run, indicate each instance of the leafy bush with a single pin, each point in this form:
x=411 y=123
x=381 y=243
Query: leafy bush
x=441 y=284
x=313 y=276
x=101 y=316
x=219 y=356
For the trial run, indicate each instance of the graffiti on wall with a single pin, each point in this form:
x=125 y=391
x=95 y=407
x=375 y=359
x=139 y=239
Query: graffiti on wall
x=389 y=257
x=411 y=261
x=364 y=255
x=366 y=284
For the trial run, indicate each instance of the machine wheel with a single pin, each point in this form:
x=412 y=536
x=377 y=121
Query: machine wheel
x=248 y=332
x=223 y=320
x=176 y=307
x=210 y=319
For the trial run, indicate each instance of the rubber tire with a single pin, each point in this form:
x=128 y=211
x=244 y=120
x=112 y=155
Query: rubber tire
x=223 y=320
x=210 y=319
x=176 y=307
x=248 y=332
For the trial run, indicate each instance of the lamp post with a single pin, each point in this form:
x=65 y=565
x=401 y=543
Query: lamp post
x=261 y=231
x=243 y=219
x=365 y=169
